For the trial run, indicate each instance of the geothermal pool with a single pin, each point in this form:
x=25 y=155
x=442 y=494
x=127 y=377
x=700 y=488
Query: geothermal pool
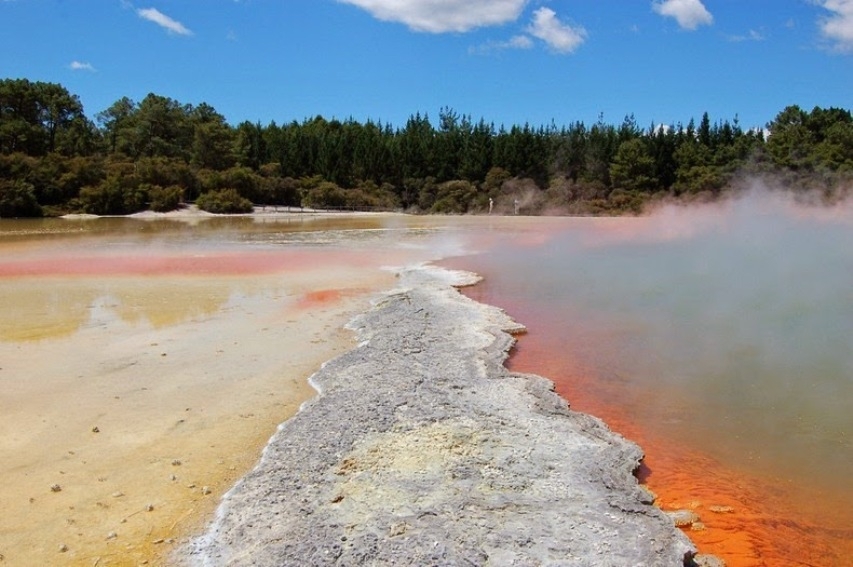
x=718 y=338
x=144 y=364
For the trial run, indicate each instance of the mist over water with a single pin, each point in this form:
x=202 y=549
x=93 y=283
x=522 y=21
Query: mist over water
x=727 y=327
x=750 y=314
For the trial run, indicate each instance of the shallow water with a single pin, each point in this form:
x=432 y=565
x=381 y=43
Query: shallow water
x=720 y=339
x=144 y=365
x=54 y=273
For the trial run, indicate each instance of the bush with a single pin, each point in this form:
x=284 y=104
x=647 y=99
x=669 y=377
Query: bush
x=113 y=196
x=495 y=178
x=224 y=201
x=419 y=192
x=622 y=201
x=282 y=191
x=167 y=172
x=368 y=195
x=165 y=199
x=18 y=199
x=326 y=195
x=454 y=197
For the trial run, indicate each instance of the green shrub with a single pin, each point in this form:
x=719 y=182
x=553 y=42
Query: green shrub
x=18 y=199
x=282 y=191
x=165 y=199
x=368 y=195
x=114 y=196
x=326 y=195
x=224 y=201
x=454 y=197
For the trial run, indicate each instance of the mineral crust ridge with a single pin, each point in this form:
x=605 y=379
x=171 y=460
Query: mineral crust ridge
x=421 y=448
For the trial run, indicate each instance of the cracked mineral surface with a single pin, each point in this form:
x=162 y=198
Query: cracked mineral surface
x=421 y=448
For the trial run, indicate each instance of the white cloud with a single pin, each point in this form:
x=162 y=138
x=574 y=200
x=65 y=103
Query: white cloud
x=515 y=42
x=690 y=14
x=81 y=66
x=559 y=36
x=439 y=16
x=520 y=42
x=164 y=21
x=838 y=28
x=753 y=35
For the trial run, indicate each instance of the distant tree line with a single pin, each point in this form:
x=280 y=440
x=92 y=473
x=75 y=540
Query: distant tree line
x=159 y=153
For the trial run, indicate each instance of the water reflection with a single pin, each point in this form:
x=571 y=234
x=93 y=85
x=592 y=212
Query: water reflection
x=30 y=312
x=56 y=273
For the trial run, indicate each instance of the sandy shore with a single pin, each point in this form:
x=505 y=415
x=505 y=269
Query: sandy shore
x=143 y=429
x=129 y=405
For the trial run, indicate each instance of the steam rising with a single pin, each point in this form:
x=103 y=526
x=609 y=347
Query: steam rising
x=743 y=308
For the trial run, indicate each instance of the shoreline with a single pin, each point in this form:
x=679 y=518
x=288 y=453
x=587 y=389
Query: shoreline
x=152 y=444
x=406 y=474
x=143 y=400
x=118 y=551
x=745 y=514
x=191 y=213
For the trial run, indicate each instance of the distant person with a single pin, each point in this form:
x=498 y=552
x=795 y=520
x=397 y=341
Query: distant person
x=516 y=206
x=491 y=204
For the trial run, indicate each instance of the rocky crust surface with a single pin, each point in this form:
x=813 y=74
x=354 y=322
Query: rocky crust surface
x=422 y=449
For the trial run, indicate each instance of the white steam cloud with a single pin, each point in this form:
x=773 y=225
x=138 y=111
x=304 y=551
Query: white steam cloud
x=690 y=14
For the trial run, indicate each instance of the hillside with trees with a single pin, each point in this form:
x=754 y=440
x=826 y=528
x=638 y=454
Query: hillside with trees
x=158 y=153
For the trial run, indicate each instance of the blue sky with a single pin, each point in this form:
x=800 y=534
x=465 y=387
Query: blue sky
x=508 y=61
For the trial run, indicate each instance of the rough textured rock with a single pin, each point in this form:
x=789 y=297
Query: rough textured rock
x=422 y=449
x=683 y=517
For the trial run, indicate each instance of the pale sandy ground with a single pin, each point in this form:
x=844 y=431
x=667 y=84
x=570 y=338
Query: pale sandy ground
x=181 y=413
x=128 y=409
x=143 y=400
